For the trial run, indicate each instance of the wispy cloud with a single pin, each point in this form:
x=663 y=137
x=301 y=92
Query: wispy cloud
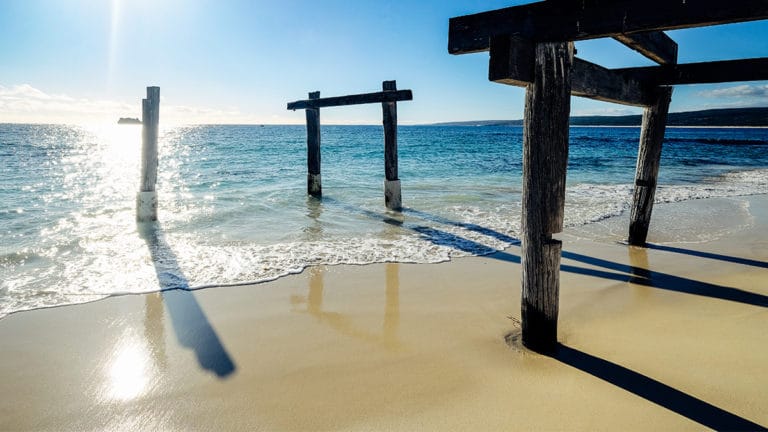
x=748 y=91
x=26 y=104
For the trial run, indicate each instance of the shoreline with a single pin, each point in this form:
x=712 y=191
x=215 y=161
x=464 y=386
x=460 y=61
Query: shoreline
x=422 y=346
x=618 y=230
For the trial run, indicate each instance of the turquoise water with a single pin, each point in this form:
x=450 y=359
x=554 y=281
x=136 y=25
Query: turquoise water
x=233 y=204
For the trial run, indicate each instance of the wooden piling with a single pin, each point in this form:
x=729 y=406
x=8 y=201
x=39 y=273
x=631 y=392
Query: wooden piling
x=146 y=200
x=647 y=171
x=392 y=196
x=314 y=185
x=545 y=159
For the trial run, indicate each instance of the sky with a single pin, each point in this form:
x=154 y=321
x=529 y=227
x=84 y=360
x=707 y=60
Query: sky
x=241 y=61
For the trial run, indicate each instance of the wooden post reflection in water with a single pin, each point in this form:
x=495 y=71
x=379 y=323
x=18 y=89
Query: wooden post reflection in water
x=392 y=305
x=154 y=329
x=342 y=323
x=315 y=297
x=641 y=271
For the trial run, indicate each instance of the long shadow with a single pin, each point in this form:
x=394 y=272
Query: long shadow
x=189 y=321
x=433 y=235
x=709 y=255
x=626 y=273
x=467 y=226
x=654 y=391
x=661 y=280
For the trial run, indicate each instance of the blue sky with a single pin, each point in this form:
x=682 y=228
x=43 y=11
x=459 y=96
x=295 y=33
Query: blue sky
x=237 y=61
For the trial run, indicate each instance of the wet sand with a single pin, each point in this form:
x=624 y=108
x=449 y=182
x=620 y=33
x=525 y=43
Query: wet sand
x=672 y=337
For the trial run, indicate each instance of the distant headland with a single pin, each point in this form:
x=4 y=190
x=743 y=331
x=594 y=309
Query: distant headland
x=128 y=120
x=727 y=117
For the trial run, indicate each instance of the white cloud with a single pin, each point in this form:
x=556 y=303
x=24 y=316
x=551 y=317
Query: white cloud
x=26 y=104
x=741 y=91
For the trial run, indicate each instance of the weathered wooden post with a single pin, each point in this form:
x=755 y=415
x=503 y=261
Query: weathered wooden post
x=648 y=160
x=314 y=185
x=545 y=160
x=146 y=200
x=392 y=197
x=388 y=99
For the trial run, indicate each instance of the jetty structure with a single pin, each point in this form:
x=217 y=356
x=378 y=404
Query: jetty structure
x=388 y=97
x=532 y=46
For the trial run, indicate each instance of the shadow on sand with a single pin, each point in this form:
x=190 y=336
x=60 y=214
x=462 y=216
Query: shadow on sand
x=620 y=272
x=654 y=391
x=189 y=321
x=708 y=255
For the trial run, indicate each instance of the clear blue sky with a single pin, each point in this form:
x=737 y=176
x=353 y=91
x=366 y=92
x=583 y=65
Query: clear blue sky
x=241 y=61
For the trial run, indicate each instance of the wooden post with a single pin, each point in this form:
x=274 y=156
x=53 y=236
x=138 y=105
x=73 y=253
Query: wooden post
x=648 y=160
x=146 y=200
x=392 y=196
x=314 y=185
x=545 y=159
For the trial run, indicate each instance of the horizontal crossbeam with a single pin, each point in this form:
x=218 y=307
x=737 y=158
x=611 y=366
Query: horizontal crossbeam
x=755 y=69
x=365 y=98
x=512 y=62
x=589 y=19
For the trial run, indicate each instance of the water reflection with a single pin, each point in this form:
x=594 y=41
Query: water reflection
x=314 y=230
x=389 y=337
x=154 y=329
x=392 y=305
x=128 y=370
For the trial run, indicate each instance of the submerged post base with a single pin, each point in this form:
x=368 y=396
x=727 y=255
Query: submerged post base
x=392 y=197
x=146 y=206
x=314 y=186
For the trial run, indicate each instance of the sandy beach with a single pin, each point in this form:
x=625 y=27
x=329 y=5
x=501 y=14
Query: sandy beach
x=671 y=337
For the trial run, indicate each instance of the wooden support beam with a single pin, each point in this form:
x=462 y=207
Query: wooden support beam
x=656 y=45
x=314 y=185
x=512 y=62
x=755 y=69
x=545 y=159
x=392 y=195
x=590 y=19
x=385 y=96
x=146 y=200
x=647 y=171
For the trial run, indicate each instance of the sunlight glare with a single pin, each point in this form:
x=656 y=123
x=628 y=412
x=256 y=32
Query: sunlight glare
x=128 y=370
x=113 y=34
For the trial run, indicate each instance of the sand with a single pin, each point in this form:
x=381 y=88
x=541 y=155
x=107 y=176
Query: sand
x=671 y=337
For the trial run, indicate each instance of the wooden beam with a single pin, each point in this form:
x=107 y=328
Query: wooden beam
x=385 y=96
x=755 y=69
x=545 y=159
x=647 y=171
x=656 y=45
x=512 y=62
x=590 y=19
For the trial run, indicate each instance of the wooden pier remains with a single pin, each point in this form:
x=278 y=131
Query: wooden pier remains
x=146 y=200
x=532 y=46
x=388 y=97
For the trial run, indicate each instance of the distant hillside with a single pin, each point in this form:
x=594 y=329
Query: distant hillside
x=713 y=117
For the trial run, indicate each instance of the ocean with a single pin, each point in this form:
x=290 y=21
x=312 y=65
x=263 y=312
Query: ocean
x=233 y=207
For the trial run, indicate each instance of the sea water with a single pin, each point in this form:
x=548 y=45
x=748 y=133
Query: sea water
x=233 y=206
